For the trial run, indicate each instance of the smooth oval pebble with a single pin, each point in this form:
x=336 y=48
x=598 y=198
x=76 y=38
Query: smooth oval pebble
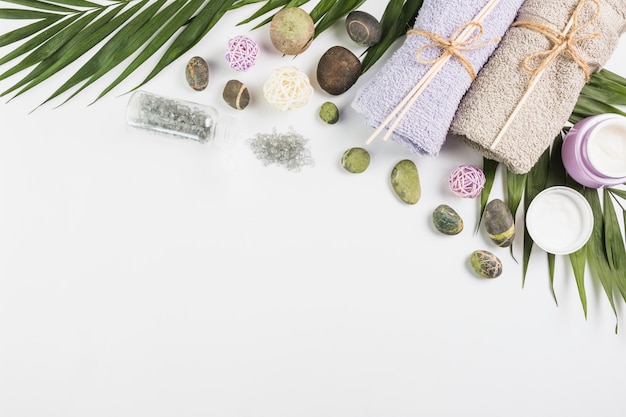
x=363 y=28
x=405 y=181
x=236 y=94
x=197 y=73
x=329 y=113
x=486 y=264
x=447 y=220
x=337 y=70
x=355 y=160
x=499 y=223
x=292 y=30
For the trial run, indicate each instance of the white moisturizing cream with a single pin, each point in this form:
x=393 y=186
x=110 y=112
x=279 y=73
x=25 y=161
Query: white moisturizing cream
x=559 y=220
x=606 y=148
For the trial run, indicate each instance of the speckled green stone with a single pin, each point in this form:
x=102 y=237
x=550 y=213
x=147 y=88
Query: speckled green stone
x=486 y=264
x=197 y=73
x=329 y=113
x=499 y=223
x=355 y=160
x=405 y=181
x=447 y=220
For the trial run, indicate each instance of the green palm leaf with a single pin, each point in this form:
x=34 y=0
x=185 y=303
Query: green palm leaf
x=191 y=35
x=535 y=183
x=599 y=264
x=397 y=19
x=170 y=20
x=332 y=14
x=69 y=52
x=490 y=168
x=118 y=48
x=26 y=31
x=47 y=48
x=25 y=14
x=42 y=5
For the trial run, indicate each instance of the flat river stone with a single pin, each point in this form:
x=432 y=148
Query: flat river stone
x=363 y=28
x=405 y=181
x=337 y=70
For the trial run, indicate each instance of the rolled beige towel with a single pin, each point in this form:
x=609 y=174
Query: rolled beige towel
x=490 y=118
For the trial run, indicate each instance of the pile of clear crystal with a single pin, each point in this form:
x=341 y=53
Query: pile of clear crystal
x=288 y=150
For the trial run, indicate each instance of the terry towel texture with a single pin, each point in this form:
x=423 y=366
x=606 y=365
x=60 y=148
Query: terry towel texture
x=503 y=81
x=424 y=128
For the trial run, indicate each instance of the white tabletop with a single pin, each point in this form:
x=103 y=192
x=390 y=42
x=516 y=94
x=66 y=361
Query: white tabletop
x=148 y=276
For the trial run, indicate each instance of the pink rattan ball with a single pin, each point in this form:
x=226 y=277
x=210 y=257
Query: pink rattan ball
x=242 y=53
x=467 y=181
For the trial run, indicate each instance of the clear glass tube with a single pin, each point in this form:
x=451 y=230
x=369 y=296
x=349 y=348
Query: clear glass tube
x=177 y=118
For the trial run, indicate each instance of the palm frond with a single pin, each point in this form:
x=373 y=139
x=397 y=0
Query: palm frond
x=397 y=19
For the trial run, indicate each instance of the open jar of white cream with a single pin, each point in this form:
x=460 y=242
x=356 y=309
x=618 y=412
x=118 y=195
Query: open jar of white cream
x=594 y=151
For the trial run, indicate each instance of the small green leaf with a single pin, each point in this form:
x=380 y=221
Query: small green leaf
x=587 y=106
x=82 y=43
x=80 y=3
x=535 y=183
x=578 y=259
x=50 y=46
x=241 y=3
x=169 y=24
x=26 y=14
x=397 y=19
x=118 y=48
x=614 y=241
x=596 y=256
x=42 y=5
x=490 y=167
x=551 y=269
x=26 y=31
x=338 y=11
x=556 y=173
x=266 y=8
x=191 y=35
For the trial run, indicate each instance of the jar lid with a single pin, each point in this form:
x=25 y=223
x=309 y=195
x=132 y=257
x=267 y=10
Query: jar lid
x=559 y=220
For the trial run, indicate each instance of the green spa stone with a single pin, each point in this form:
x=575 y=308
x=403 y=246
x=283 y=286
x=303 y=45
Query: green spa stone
x=499 y=223
x=355 y=160
x=292 y=30
x=447 y=220
x=486 y=264
x=329 y=113
x=405 y=181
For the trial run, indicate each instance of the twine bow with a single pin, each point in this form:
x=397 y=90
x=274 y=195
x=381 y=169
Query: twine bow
x=563 y=41
x=455 y=45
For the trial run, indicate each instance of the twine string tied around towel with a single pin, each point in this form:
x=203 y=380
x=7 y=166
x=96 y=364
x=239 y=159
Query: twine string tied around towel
x=463 y=39
x=454 y=46
x=564 y=42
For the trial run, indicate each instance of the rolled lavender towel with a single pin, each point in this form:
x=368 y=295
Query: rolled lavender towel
x=424 y=128
x=503 y=82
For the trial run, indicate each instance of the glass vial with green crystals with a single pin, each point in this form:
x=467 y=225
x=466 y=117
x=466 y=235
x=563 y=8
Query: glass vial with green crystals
x=177 y=118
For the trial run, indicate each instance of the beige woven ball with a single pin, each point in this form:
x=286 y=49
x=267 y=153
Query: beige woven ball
x=287 y=88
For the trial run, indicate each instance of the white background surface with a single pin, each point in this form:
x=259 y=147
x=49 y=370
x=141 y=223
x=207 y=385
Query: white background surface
x=146 y=276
